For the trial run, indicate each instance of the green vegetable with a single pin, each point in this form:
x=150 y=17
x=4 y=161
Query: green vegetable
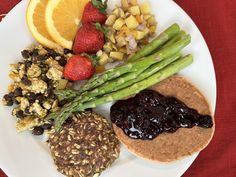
x=156 y=43
x=168 y=71
x=151 y=70
x=167 y=52
x=113 y=96
x=119 y=83
x=65 y=94
x=176 y=38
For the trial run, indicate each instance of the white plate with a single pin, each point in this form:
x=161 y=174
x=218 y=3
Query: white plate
x=24 y=155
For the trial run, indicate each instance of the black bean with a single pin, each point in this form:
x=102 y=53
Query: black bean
x=35 y=52
x=61 y=103
x=35 y=60
x=28 y=64
x=52 y=53
x=51 y=84
x=44 y=67
x=25 y=54
x=67 y=51
x=51 y=94
x=46 y=126
x=31 y=96
x=42 y=57
x=45 y=78
x=62 y=61
x=8 y=99
x=15 y=100
x=11 y=94
x=27 y=110
x=40 y=97
x=19 y=114
x=25 y=80
x=38 y=131
x=17 y=92
x=47 y=55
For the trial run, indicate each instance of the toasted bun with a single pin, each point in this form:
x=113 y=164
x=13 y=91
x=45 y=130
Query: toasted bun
x=169 y=147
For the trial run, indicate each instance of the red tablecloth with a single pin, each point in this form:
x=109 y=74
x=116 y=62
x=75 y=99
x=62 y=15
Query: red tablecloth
x=217 y=21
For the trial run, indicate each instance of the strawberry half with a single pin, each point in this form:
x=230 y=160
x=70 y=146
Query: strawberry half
x=78 y=68
x=95 y=11
x=88 y=39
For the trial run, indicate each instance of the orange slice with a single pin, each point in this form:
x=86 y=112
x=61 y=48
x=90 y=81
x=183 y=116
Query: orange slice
x=35 y=17
x=63 y=19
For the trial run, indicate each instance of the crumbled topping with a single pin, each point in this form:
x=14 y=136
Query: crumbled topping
x=54 y=74
x=15 y=77
x=54 y=64
x=38 y=110
x=24 y=103
x=26 y=123
x=38 y=86
x=34 y=71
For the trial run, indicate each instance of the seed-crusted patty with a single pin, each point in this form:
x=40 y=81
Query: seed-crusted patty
x=85 y=147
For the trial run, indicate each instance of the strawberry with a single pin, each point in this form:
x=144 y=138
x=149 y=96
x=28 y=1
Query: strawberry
x=94 y=11
x=88 y=39
x=78 y=68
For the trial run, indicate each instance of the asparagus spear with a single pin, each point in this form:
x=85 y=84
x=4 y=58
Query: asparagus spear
x=66 y=94
x=176 y=38
x=166 y=72
x=113 y=73
x=119 y=83
x=134 y=89
x=156 y=43
x=167 y=52
x=150 y=71
x=134 y=66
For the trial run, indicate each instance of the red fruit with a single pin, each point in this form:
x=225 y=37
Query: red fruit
x=78 y=68
x=92 y=14
x=88 y=39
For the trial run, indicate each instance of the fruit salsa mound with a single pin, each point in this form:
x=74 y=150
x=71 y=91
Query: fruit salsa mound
x=31 y=93
x=130 y=27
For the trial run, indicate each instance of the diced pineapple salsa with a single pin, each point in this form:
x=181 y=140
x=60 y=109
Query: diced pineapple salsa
x=130 y=27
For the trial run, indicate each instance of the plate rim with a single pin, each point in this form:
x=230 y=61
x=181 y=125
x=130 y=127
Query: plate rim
x=205 y=43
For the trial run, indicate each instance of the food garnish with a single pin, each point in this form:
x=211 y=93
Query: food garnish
x=78 y=68
x=95 y=11
x=150 y=113
x=35 y=79
x=63 y=20
x=35 y=17
x=88 y=39
x=169 y=147
x=85 y=147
